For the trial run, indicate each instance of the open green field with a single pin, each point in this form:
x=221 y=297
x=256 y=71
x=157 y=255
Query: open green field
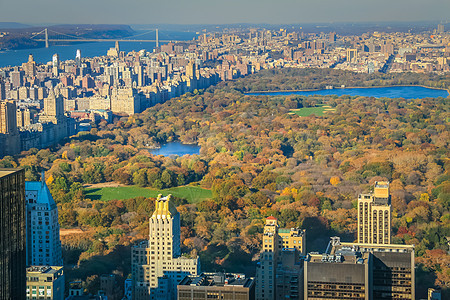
x=192 y=194
x=307 y=111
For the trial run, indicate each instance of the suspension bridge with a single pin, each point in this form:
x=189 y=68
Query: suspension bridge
x=48 y=35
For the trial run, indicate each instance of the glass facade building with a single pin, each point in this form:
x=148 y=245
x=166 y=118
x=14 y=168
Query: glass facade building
x=12 y=234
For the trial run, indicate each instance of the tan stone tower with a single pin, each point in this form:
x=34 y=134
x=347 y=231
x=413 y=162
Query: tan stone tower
x=374 y=215
x=278 y=270
x=157 y=266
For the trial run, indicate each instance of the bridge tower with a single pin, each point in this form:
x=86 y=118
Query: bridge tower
x=46 y=37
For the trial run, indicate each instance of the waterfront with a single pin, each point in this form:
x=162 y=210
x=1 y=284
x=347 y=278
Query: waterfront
x=65 y=52
x=406 y=92
x=176 y=148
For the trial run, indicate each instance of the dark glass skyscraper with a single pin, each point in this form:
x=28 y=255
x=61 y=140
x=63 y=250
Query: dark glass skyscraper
x=12 y=234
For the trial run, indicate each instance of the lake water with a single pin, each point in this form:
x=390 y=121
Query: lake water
x=176 y=148
x=407 y=92
x=44 y=55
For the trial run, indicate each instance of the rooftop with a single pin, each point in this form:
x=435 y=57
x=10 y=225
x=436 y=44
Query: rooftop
x=218 y=280
x=43 y=269
x=8 y=171
x=164 y=207
x=44 y=196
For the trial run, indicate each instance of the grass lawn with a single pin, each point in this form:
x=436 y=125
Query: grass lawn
x=307 y=111
x=192 y=194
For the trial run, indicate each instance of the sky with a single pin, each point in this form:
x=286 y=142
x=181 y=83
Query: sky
x=220 y=12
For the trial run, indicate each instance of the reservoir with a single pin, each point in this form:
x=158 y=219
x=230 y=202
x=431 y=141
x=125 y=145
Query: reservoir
x=406 y=92
x=176 y=148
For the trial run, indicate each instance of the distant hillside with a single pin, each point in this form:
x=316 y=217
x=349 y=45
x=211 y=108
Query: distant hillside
x=8 y=25
x=19 y=38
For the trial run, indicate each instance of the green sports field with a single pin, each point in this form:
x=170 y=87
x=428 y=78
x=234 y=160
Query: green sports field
x=192 y=194
x=307 y=111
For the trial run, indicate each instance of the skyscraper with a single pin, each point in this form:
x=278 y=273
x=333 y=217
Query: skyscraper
x=16 y=77
x=78 y=58
x=352 y=55
x=30 y=66
x=2 y=90
x=374 y=215
x=157 y=264
x=190 y=69
x=8 y=121
x=12 y=234
x=43 y=242
x=55 y=64
x=279 y=258
x=9 y=134
x=360 y=271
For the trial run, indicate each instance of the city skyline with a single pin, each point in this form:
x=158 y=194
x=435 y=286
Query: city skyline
x=212 y=12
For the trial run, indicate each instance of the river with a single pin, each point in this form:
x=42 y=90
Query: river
x=44 y=55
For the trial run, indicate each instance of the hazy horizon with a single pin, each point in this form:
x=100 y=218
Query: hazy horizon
x=210 y=12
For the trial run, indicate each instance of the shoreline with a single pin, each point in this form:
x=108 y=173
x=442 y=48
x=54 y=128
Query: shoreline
x=347 y=87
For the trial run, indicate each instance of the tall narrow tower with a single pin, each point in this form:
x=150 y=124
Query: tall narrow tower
x=265 y=274
x=374 y=215
x=43 y=242
x=157 y=38
x=117 y=47
x=157 y=264
x=12 y=234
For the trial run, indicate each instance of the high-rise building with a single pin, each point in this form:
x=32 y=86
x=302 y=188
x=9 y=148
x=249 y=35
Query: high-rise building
x=114 y=52
x=78 y=58
x=30 y=66
x=190 y=69
x=216 y=286
x=440 y=28
x=332 y=37
x=268 y=259
x=157 y=264
x=12 y=234
x=340 y=275
x=2 y=90
x=140 y=76
x=275 y=240
x=374 y=215
x=109 y=286
x=360 y=271
x=43 y=242
x=55 y=64
x=45 y=282
x=352 y=55
x=8 y=121
x=54 y=105
x=289 y=275
x=125 y=100
x=9 y=134
x=16 y=77
x=392 y=268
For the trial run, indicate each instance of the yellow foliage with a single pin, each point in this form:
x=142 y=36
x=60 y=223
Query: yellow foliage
x=424 y=197
x=50 y=180
x=335 y=180
x=64 y=155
